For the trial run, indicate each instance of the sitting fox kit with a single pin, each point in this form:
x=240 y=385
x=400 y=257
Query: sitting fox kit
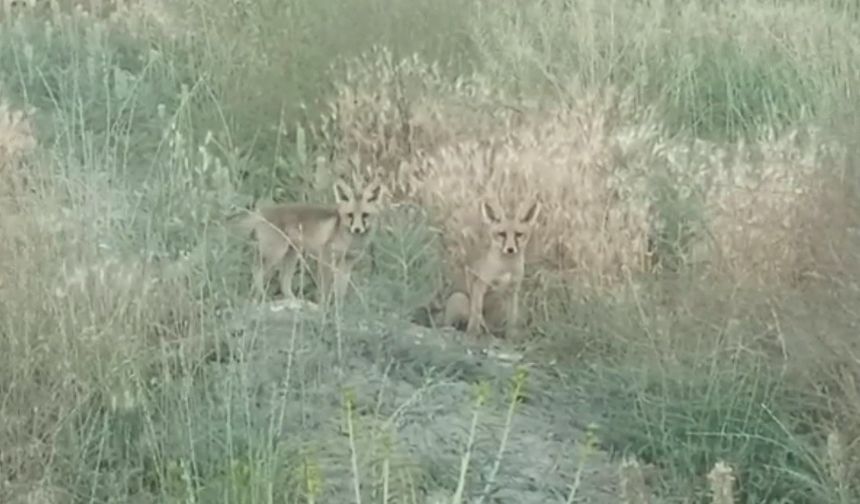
x=330 y=233
x=333 y=235
x=497 y=269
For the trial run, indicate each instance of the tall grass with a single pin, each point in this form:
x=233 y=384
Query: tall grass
x=719 y=69
x=132 y=368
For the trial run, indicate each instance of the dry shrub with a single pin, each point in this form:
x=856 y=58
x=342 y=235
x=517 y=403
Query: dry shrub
x=76 y=313
x=765 y=203
x=142 y=16
x=816 y=322
x=819 y=329
x=12 y=7
x=386 y=113
x=584 y=164
x=17 y=141
x=75 y=317
x=448 y=143
x=633 y=489
x=135 y=17
x=722 y=480
x=602 y=168
x=755 y=212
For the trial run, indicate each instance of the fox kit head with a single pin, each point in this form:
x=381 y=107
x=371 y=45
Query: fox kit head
x=355 y=212
x=509 y=236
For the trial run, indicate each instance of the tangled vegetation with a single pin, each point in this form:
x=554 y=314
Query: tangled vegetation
x=690 y=295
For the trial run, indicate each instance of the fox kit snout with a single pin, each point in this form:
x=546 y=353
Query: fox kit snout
x=498 y=270
x=329 y=233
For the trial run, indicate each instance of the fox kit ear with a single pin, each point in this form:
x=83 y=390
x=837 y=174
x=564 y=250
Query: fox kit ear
x=372 y=192
x=490 y=213
x=530 y=215
x=342 y=191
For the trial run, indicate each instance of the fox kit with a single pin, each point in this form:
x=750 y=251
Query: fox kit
x=496 y=270
x=332 y=234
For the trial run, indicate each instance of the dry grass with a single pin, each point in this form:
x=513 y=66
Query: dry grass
x=633 y=489
x=74 y=307
x=109 y=260
x=386 y=113
x=764 y=199
x=745 y=209
x=17 y=141
x=772 y=216
x=722 y=484
x=140 y=18
x=594 y=216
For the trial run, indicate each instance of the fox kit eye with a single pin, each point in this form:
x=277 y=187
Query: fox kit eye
x=501 y=235
x=365 y=215
x=518 y=235
x=350 y=215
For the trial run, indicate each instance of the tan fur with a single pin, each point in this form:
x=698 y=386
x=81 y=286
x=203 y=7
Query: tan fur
x=495 y=270
x=332 y=234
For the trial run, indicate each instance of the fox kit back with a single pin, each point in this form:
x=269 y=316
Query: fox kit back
x=329 y=233
x=306 y=227
x=495 y=269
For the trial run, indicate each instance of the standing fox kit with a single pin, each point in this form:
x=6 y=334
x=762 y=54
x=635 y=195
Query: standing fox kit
x=497 y=269
x=332 y=234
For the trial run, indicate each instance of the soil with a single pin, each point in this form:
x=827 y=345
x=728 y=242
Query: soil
x=413 y=391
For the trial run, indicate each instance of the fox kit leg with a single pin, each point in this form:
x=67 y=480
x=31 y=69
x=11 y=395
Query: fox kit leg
x=323 y=280
x=265 y=270
x=456 y=310
x=512 y=326
x=271 y=247
x=476 y=307
x=341 y=272
x=288 y=270
x=326 y=267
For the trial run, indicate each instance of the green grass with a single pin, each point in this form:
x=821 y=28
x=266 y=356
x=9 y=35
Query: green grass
x=125 y=375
